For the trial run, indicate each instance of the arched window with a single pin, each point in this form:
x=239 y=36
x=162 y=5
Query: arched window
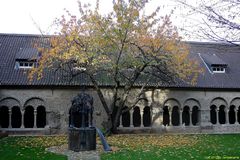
x=136 y=117
x=29 y=117
x=175 y=116
x=195 y=115
x=222 y=115
x=147 y=116
x=213 y=114
x=4 y=117
x=16 y=117
x=186 y=116
x=41 y=117
x=125 y=118
x=165 y=116
x=231 y=115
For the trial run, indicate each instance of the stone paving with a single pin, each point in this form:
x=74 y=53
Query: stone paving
x=83 y=155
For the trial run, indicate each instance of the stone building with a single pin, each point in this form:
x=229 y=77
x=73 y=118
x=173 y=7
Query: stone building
x=42 y=106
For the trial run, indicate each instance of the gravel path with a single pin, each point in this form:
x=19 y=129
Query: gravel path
x=83 y=155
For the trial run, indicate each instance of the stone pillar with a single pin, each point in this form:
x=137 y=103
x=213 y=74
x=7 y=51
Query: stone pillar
x=141 y=114
x=22 y=124
x=35 y=118
x=10 y=118
x=227 y=116
x=131 y=118
x=120 y=121
x=180 y=117
x=170 y=117
x=236 y=116
x=217 y=117
x=190 y=118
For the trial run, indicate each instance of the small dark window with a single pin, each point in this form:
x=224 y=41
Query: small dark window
x=30 y=64
x=218 y=69
x=21 y=64
x=221 y=69
x=214 y=69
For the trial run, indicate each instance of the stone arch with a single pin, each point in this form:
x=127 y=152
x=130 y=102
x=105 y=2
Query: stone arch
x=10 y=102
x=222 y=114
x=213 y=114
x=231 y=114
x=147 y=116
x=191 y=102
x=4 y=117
x=165 y=115
x=16 y=117
x=29 y=117
x=41 y=117
x=235 y=101
x=35 y=102
x=175 y=116
x=171 y=102
x=136 y=117
x=219 y=101
x=126 y=118
x=195 y=115
x=186 y=115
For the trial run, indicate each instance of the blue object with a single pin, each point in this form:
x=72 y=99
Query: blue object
x=106 y=147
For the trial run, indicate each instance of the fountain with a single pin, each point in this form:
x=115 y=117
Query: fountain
x=82 y=133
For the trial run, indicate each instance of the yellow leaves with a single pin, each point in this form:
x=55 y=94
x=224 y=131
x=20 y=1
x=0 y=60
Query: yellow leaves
x=147 y=141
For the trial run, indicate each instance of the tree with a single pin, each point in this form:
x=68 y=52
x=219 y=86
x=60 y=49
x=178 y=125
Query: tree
x=123 y=47
x=219 y=19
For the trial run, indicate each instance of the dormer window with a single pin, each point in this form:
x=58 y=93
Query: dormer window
x=218 y=69
x=213 y=63
x=26 y=58
x=25 y=64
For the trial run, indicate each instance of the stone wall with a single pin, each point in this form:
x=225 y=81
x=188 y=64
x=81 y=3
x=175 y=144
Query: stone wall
x=58 y=101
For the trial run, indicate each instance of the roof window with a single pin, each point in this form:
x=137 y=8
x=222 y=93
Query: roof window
x=25 y=64
x=218 y=69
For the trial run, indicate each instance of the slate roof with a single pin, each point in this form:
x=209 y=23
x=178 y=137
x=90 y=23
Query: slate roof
x=19 y=46
x=27 y=54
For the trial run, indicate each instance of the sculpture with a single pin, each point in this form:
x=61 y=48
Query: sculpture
x=81 y=111
x=82 y=135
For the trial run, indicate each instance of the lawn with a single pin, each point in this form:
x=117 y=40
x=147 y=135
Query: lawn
x=130 y=147
x=30 y=148
x=174 y=147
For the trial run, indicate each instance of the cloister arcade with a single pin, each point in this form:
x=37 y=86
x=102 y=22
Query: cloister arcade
x=31 y=115
x=189 y=114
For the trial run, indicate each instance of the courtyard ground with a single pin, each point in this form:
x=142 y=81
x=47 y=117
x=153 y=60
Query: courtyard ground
x=136 y=147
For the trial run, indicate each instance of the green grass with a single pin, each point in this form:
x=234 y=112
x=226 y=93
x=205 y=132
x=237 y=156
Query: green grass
x=29 y=148
x=131 y=147
x=175 y=147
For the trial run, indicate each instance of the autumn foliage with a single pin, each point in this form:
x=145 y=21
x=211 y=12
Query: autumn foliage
x=123 y=45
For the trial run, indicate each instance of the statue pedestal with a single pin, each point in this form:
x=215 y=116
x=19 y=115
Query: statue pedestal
x=82 y=139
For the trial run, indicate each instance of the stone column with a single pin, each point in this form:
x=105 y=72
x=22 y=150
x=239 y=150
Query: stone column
x=35 y=118
x=120 y=121
x=141 y=114
x=190 y=118
x=170 y=117
x=236 y=116
x=217 y=117
x=180 y=117
x=22 y=124
x=131 y=118
x=10 y=118
x=227 y=116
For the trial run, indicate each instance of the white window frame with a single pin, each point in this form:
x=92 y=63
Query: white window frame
x=25 y=65
x=218 y=69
